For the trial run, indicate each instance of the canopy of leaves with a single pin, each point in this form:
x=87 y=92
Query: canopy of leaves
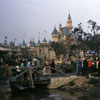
x=59 y=48
x=87 y=41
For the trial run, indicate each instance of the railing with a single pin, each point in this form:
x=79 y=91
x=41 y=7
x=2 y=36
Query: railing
x=29 y=70
x=59 y=71
x=39 y=71
x=22 y=73
x=35 y=70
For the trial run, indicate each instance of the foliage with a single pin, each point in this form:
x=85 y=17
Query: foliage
x=59 y=48
x=88 y=40
x=94 y=27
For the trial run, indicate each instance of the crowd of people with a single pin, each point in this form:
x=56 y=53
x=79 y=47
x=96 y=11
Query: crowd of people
x=84 y=66
x=22 y=64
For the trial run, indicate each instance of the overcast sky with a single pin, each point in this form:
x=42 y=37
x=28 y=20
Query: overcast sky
x=29 y=17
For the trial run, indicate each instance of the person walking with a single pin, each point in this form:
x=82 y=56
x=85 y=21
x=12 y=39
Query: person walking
x=78 y=66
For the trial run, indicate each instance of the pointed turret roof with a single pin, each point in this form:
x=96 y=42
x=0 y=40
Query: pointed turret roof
x=44 y=40
x=55 y=31
x=33 y=43
x=11 y=43
x=69 y=16
x=23 y=43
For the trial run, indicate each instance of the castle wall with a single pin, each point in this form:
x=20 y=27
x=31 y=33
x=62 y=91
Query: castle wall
x=52 y=54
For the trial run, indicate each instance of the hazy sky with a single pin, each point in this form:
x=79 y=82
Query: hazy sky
x=29 y=17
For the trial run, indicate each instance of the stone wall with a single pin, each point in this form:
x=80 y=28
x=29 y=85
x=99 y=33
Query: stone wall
x=60 y=81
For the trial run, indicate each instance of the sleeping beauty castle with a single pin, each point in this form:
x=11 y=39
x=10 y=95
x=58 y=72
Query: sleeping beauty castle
x=64 y=34
x=43 y=49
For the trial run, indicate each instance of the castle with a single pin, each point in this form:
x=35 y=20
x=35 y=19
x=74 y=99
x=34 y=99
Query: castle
x=65 y=33
x=43 y=49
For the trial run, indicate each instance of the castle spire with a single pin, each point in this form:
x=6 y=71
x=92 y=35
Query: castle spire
x=23 y=43
x=55 y=31
x=69 y=24
x=44 y=40
x=39 y=36
x=69 y=21
x=69 y=16
x=33 y=43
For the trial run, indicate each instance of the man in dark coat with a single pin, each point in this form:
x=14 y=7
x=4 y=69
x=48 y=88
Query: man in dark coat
x=53 y=66
x=85 y=67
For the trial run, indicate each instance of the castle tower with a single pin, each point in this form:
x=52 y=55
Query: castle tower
x=69 y=24
x=55 y=35
x=44 y=41
x=33 y=44
x=23 y=43
x=60 y=28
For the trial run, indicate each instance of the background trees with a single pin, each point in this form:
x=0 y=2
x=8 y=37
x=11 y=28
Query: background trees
x=59 y=48
x=88 y=40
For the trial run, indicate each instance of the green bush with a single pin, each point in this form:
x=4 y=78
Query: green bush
x=71 y=83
